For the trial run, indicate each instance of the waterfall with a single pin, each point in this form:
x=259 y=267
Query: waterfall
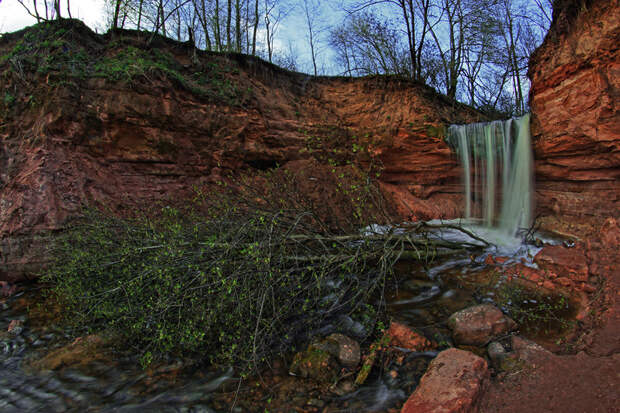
x=488 y=152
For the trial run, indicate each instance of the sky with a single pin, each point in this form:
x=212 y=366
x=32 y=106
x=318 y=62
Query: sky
x=14 y=17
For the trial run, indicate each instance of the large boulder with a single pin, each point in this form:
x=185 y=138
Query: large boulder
x=452 y=384
x=343 y=348
x=315 y=363
x=477 y=325
x=324 y=359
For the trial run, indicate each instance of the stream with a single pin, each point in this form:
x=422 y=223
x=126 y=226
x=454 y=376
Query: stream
x=426 y=296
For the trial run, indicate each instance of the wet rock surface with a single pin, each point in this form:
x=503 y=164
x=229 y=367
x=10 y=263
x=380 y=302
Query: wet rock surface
x=115 y=382
x=7 y=289
x=403 y=336
x=478 y=325
x=315 y=363
x=515 y=354
x=422 y=300
x=79 y=382
x=327 y=359
x=344 y=348
x=564 y=262
x=82 y=351
x=452 y=383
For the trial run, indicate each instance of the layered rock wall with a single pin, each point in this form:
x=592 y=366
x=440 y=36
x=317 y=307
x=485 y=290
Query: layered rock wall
x=574 y=99
x=120 y=134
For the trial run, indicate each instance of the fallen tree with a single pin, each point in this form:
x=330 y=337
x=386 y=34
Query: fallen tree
x=239 y=275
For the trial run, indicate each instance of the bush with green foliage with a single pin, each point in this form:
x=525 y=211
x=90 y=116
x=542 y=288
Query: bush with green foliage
x=232 y=279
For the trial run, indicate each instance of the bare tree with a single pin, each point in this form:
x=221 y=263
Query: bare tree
x=202 y=13
x=238 y=37
x=52 y=9
x=542 y=14
x=415 y=23
x=228 y=21
x=117 y=10
x=34 y=12
x=274 y=12
x=367 y=45
x=255 y=29
x=288 y=59
x=311 y=12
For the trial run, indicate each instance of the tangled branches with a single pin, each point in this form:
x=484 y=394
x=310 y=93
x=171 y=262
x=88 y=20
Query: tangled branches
x=234 y=283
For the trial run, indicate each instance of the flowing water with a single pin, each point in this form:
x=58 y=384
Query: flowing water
x=496 y=158
x=425 y=297
x=118 y=385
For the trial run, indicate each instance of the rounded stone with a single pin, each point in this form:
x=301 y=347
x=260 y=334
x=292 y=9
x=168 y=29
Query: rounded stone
x=477 y=325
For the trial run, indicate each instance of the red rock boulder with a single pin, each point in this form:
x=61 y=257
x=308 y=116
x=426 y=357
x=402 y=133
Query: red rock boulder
x=402 y=336
x=477 y=325
x=452 y=383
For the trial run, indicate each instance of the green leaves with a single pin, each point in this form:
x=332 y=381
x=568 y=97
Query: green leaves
x=231 y=287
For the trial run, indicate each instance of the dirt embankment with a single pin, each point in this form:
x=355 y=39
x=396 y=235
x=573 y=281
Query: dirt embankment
x=124 y=119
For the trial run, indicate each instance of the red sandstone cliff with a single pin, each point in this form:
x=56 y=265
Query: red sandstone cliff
x=107 y=119
x=574 y=99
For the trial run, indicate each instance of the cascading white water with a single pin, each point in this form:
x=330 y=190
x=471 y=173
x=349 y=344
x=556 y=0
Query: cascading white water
x=488 y=151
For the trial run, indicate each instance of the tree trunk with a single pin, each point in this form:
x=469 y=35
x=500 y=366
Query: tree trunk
x=410 y=25
x=57 y=9
x=255 y=29
x=163 y=18
x=228 y=27
x=140 y=13
x=238 y=25
x=117 y=10
x=310 y=23
x=268 y=35
x=218 y=34
x=202 y=17
x=36 y=12
x=178 y=13
x=425 y=25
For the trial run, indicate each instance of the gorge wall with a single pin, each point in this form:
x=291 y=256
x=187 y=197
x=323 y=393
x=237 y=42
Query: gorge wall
x=574 y=99
x=122 y=120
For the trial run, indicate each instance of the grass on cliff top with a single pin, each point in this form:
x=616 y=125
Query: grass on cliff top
x=67 y=53
x=232 y=279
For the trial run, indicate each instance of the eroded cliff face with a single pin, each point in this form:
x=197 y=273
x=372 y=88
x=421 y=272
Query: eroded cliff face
x=574 y=99
x=109 y=120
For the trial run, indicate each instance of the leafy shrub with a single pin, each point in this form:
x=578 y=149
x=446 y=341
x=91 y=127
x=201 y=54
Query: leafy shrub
x=230 y=280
